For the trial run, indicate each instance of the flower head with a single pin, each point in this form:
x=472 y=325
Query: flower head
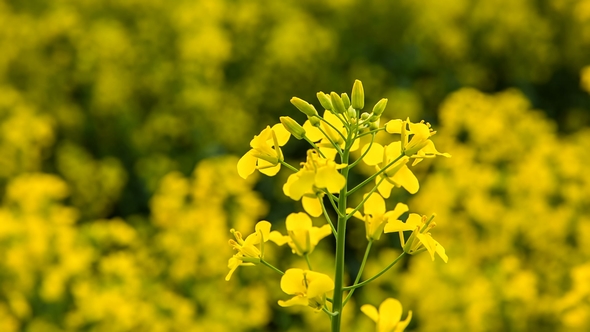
x=331 y=130
x=419 y=146
x=316 y=175
x=420 y=239
x=266 y=154
x=302 y=236
x=375 y=216
x=389 y=316
x=309 y=288
x=248 y=252
x=395 y=175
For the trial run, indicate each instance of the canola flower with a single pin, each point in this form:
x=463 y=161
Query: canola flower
x=322 y=182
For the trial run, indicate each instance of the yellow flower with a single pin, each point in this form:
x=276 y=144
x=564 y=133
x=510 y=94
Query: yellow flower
x=389 y=316
x=309 y=288
x=317 y=174
x=247 y=251
x=375 y=216
x=302 y=237
x=396 y=175
x=420 y=239
x=419 y=146
x=316 y=135
x=266 y=153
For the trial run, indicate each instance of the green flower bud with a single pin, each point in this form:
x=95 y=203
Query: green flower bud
x=358 y=95
x=305 y=107
x=293 y=127
x=365 y=116
x=380 y=107
x=325 y=100
x=337 y=103
x=351 y=113
x=374 y=118
x=374 y=125
x=315 y=121
x=345 y=100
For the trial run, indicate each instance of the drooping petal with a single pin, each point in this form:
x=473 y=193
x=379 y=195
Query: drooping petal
x=440 y=250
x=390 y=313
x=297 y=300
x=298 y=221
x=428 y=243
x=263 y=228
x=401 y=326
x=400 y=208
x=375 y=154
x=282 y=134
x=247 y=164
x=357 y=214
x=302 y=185
x=233 y=264
x=319 y=233
x=393 y=150
x=405 y=178
x=312 y=206
x=384 y=187
x=287 y=186
x=370 y=311
x=329 y=178
x=374 y=205
x=292 y=282
x=268 y=168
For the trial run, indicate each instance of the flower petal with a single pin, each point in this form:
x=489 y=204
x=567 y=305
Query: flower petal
x=278 y=238
x=394 y=126
x=268 y=168
x=292 y=282
x=370 y=311
x=247 y=164
x=298 y=221
x=313 y=133
x=405 y=178
x=374 y=205
x=375 y=154
x=263 y=228
x=283 y=134
x=297 y=300
x=390 y=313
x=318 y=284
x=302 y=185
x=312 y=206
x=329 y=178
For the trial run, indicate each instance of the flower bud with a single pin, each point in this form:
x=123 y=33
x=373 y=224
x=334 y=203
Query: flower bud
x=315 y=121
x=305 y=107
x=293 y=127
x=325 y=100
x=380 y=107
x=345 y=100
x=351 y=113
x=358 y=95
x=337 y=103
x=365 y=116
x=374 y=125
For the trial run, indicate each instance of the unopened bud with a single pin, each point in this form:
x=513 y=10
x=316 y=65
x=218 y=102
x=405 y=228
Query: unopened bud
x=351 y=113
x=358 y=95
x=305 y=107
x=293 y=127
x=365 y=116
x=325 y=100
x=345 y=100
x=315 y=121
x=337 y=103
x=374 y=125
x=380 y=107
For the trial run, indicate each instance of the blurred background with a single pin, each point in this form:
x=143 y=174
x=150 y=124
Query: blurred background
x=121 y=123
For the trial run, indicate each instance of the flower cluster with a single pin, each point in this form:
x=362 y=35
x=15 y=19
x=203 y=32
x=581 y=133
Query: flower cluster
x=324 y=177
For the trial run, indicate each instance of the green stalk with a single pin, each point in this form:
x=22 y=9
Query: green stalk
x=340 y=241
x=360 y=273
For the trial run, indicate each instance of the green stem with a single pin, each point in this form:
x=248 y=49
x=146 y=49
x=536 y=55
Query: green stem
x=308 y=262
x=271 y=266
x=336 y=146
x=377 y=275
x=374 y=131
x=370 y=178
x=333 y=127
x=314 y=146
x=340 y=242
x=328 y=218
x=360 y=273
x=284 y=163
x=331 y=198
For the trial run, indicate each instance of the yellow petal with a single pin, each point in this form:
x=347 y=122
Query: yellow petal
x=401 y=326
x=302 y=185
x=374 y=205
x=268 y=168
x=318 y=284
x=375 y=154
x=405 y=178
x=400 y=209
x=292 y=282
x=278 y=238
x=281 y=133
x=247 y=164
x=398 y=226
x=297 y=300
x=357 y=214
x=263 y=228
x=329 y=178
x=313 y=133
x=384 y=188
x=428 y=243
x=312 y=206
x=233 y=264
x=287 y=186
x=394 y=126
x=390 y=313
x=298 y=221
x=319 y=233
x=370 y=311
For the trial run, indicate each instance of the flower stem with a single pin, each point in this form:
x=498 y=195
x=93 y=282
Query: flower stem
x=360 y=273
x=289 y=166
x=308 y=262
x=377 y=275
x=271 y=266
x=328 y=218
